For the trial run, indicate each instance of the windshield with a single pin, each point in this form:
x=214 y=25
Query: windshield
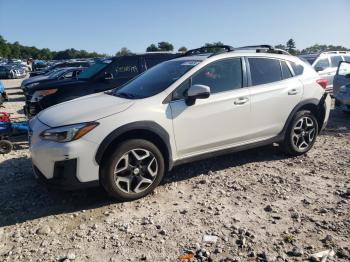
x=57 y=73
x=94 y=69
x=156 y=79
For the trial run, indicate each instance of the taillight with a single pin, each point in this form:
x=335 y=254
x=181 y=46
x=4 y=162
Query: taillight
x=322 y=83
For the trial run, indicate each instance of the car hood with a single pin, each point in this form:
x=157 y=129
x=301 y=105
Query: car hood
x=84 y=109
x=34 y=79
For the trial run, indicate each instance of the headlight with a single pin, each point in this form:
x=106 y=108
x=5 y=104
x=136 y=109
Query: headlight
x=68 y=133
x=32 y=85
x=40 y=94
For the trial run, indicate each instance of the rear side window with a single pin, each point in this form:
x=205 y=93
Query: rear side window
x=126 y=68
x=322 y=63
x=264 y=70
x=347 y=58
x=335 y=60
x=298 y=69
x=285 y=70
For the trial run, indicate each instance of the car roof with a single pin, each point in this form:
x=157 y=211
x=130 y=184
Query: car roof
x=236 y=53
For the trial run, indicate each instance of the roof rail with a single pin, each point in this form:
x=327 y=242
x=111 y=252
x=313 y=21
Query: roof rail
x=261 y=48
x=206 y=50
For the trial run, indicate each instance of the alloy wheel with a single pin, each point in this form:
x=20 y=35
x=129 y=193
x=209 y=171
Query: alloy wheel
x=136 y=171
x=304 y=133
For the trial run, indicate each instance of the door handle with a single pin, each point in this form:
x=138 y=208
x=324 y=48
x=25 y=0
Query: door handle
x=292 y=92
x=241 y=100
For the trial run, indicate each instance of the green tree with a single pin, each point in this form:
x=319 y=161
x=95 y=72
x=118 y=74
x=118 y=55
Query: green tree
x=283 y=47
x=182 y=49
x=165 y=46
x=152 y=48
x=317 y=48
x=211 y=47
x=123 y=52
x=291 y=48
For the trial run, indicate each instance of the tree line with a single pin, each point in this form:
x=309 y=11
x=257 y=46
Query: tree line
x=289 y=46
x=16 y=50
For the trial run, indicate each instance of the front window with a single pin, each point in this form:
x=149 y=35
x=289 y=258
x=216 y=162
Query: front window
x=156 y=79
x=344 y=69
x=94 y=69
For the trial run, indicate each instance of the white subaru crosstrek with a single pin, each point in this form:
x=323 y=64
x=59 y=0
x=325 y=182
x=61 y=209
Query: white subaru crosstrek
x=196 y=106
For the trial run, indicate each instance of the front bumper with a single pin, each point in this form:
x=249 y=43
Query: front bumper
x=64 y=176
x=325 y=106
x=63 y=165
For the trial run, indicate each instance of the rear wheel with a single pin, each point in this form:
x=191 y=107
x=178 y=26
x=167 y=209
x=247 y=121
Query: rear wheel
x=301 y=133
x=5 y=146
x=133 y=170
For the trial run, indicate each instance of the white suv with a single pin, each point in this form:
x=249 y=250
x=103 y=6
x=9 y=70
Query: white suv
x=185 y=109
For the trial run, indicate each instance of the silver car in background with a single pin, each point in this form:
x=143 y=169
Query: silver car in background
x=341 y=86
x=326 y=64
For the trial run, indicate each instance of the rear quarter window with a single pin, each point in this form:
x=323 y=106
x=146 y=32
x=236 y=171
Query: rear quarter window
x=297 y=68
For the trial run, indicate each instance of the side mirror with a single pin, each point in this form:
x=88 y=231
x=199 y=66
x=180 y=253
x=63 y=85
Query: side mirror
x=107 y=76
x=319 y=68
x=197 y=92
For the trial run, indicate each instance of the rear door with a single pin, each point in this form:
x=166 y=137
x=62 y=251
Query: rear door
x=342 y=76
x=274 y=93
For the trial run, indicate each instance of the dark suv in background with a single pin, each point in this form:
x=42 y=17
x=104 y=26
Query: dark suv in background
x=102 y=76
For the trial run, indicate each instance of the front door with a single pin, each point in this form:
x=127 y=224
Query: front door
x=217 y=122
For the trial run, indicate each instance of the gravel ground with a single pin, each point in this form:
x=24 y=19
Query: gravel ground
x=256 y=205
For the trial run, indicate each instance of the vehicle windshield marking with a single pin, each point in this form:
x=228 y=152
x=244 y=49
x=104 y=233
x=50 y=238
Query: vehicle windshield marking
x=155 y=80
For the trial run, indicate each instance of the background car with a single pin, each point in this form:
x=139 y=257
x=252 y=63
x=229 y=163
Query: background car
x=56 y=74
x=102 y=76
x=7 y=72
x=326 y=64
x=61 y=65
x=341 y=86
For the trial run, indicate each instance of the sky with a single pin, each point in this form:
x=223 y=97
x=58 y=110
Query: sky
x=106 y=26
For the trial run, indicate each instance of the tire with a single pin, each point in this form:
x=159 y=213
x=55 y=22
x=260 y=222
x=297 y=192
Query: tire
x=301 y=133
x=5 y=146
x=2 y=99
x=133 y=170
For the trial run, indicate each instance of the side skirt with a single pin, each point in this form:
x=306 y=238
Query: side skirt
x=226 y=151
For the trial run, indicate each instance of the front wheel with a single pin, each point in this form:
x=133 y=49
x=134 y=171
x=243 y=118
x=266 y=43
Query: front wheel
x=301 y=133
x=133 y=170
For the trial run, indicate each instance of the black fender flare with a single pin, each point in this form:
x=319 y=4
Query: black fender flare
x=136 y=126
x=313 y=101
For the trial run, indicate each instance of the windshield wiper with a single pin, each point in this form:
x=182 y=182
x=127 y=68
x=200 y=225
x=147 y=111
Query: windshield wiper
x=125 y=95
